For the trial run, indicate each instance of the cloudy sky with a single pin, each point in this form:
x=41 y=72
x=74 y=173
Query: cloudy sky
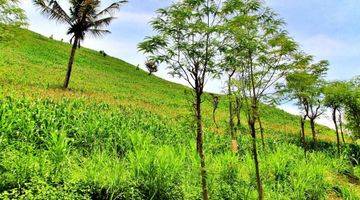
x=327 y=29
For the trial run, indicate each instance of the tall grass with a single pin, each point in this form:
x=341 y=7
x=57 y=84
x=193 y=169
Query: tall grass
x=76 y=150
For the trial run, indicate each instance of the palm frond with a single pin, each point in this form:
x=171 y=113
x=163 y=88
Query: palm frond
x=98 y=32
x=53 y=10
x=112 y=8
x=101 y=22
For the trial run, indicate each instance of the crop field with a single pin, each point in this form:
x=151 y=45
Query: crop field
x=121 y=134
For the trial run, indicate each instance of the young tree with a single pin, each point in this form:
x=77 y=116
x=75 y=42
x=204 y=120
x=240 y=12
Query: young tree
x=238 y=107
x=264 y=51
x=85 y=17
x=228 y=67
x=340 y=117
x=336 y=95
x=302 y=131
x=215 y=102
x=304 y=84
x=187 y=42
x=352 y=108
x=151 y=66
x=234 y=145
x=10 y=15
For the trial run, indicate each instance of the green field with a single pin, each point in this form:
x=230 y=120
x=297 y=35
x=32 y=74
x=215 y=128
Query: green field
x=121 y=134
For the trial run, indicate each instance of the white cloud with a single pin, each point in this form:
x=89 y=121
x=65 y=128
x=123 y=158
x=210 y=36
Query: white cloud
x=326 y=47
x=138 y=18
x=323 y=119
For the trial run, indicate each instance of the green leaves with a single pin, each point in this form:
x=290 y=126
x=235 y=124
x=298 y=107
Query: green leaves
x=152 y=44
x=11 y=13
x=83 y=17
x=187 y=40
x=336 y=93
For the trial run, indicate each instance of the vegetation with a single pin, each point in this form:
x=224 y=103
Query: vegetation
x=121 y=134
x=260 y=56
x=84 y=18
x=10 y=15
x=304 y=84
x=73 y=149
x=151 y=66
x=336 y=95
x=352 y=107
x=193 y=60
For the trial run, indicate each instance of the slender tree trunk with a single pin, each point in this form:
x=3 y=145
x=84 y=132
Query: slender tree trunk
x=199 y=145
x=214 y=117
x=336 y=130
x=252 y=120
x=261 y=132
x=238 y=116
x=341 y=128
x=238 y=110
x=313 y=129
x=303 y=139
x=234 y=145
x=255 y=156
x=70 y=64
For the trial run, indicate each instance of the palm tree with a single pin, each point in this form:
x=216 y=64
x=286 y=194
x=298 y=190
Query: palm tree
x=84 y=18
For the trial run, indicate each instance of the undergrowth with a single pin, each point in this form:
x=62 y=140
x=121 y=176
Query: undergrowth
x=76 y=150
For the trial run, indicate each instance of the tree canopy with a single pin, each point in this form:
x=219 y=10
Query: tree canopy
x=11 y=13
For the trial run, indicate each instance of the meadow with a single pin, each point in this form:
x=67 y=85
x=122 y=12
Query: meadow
x=121 y=134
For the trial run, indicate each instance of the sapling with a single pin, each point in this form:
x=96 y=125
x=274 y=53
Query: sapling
x=151 y=66
x=187 y=42
x=262 y=55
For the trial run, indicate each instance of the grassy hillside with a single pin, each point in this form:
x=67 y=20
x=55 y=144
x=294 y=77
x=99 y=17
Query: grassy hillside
x=34 y=66
x=121 y=134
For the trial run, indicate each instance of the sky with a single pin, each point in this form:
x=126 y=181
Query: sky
x=327 y=29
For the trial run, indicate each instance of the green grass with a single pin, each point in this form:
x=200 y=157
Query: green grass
x=34 y=66
x=121 y=134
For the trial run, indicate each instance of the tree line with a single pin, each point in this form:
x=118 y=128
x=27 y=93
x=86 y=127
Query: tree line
x=246 y=42
x=243 y=41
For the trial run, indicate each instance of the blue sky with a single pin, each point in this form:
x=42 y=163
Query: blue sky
x=327 y=29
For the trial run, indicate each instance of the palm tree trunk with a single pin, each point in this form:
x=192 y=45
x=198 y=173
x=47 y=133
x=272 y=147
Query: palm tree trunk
x=70 y=64
x=199 y=145
x=341 y=128
x=313 y=130
x=336 y=130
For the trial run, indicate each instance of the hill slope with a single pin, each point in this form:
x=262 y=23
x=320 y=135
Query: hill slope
x=34 y=66
x=119 y=133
